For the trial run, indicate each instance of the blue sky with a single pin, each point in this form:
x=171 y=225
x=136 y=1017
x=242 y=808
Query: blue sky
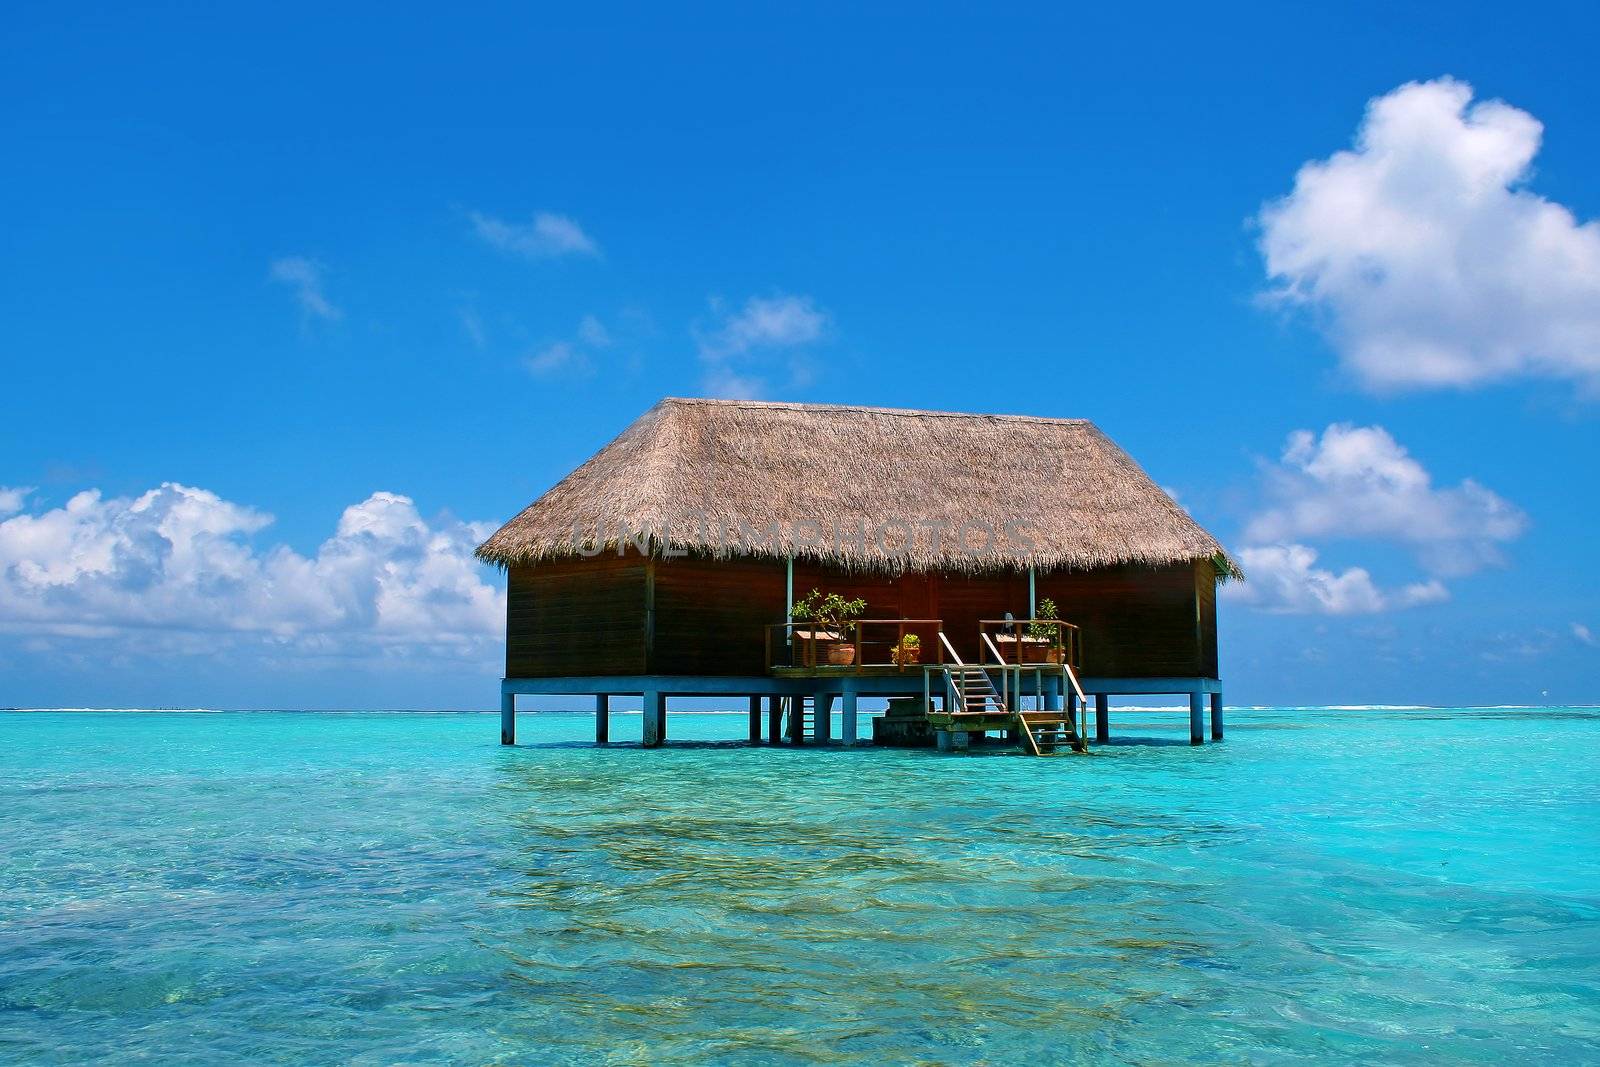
x=360 y=285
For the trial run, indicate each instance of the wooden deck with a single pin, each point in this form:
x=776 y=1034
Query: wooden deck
x=911 y=671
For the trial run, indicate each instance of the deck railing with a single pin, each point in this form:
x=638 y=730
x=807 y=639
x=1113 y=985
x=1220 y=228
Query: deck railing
x=805 y=643
x=1062 y=642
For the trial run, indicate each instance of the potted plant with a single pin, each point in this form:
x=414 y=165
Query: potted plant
x=834 y=618
x=907 y=652
x=1043 y=641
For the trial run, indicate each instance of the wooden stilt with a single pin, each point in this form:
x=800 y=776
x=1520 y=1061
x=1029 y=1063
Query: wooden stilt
x=654 y=709
x=1102 y=718
x=508 y=718
x=1197 y=718
x=602 y=719
x=755 y=720
x=848 y=713
x=1216 y=716
x=822 y=718
x=774 y=720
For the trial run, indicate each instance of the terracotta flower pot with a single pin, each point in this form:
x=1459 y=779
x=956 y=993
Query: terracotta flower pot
x=841 y=654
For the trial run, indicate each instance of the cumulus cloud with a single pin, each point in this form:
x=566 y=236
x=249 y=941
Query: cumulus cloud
x=303 y=277
x=1357 y=483
x=1584 y=636
x=1285 y=579
x=177 y=559
x=738 y=350
x=547 y=236
x=1427 y=261
x=12 y=499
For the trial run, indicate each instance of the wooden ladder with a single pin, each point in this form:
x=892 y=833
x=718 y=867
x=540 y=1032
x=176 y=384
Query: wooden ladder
x=801 y=721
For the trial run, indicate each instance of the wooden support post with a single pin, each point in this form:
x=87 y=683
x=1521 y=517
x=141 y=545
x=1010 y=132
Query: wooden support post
x=1216 y=716
x=508 y=718
x=1052 y=698
x=654 y=712
x=602 y=719
x=848 y=711
x=774 y=720
x=1102 y=718
x=822 y=718
x=941 y=738
x=755 y=720
x=797 y=720
x=1197 y=718
x=959 y=740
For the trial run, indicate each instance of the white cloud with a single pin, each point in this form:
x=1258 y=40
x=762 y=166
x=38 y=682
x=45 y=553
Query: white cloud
x=724 y=384
x=572 y=358
x=304 y=278
x=1582 y=635
x=593 y=333
x=1358 y=482
x=548 y=236
x=472 y=326
x=1427 y=261
x=1285 y=579
x=553 y=359
x=179 y=560
x=12 y=499
x=738 y=351
x=765 y=322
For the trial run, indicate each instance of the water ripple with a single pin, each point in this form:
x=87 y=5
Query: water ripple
x=384 y=888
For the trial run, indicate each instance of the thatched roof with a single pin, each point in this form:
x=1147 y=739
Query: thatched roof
x=713 y=476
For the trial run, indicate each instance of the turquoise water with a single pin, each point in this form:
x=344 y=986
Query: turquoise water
x=1395 y=886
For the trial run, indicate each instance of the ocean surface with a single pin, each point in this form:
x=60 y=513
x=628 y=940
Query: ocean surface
x=1381 y=885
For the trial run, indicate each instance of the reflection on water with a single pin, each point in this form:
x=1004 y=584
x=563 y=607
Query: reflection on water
x=1382 y=885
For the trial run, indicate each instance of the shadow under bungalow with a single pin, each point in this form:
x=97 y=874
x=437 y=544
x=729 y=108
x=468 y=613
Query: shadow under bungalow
x=924 y=551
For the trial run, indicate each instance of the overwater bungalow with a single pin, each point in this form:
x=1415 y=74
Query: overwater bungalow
x=988 y=574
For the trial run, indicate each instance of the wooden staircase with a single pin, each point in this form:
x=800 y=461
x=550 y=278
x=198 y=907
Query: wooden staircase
x=1047 y=733
x=1040 y=732
x=977 y=691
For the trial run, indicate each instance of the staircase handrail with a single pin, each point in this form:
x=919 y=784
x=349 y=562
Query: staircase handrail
x=1005 y=685
x=950 y=682
x=1070 y=675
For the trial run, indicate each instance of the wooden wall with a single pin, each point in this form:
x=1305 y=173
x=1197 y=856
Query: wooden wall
x=709 y=615
x=576 y=617
x=695 y=616
x=1205 y=590
x=1138 y=622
